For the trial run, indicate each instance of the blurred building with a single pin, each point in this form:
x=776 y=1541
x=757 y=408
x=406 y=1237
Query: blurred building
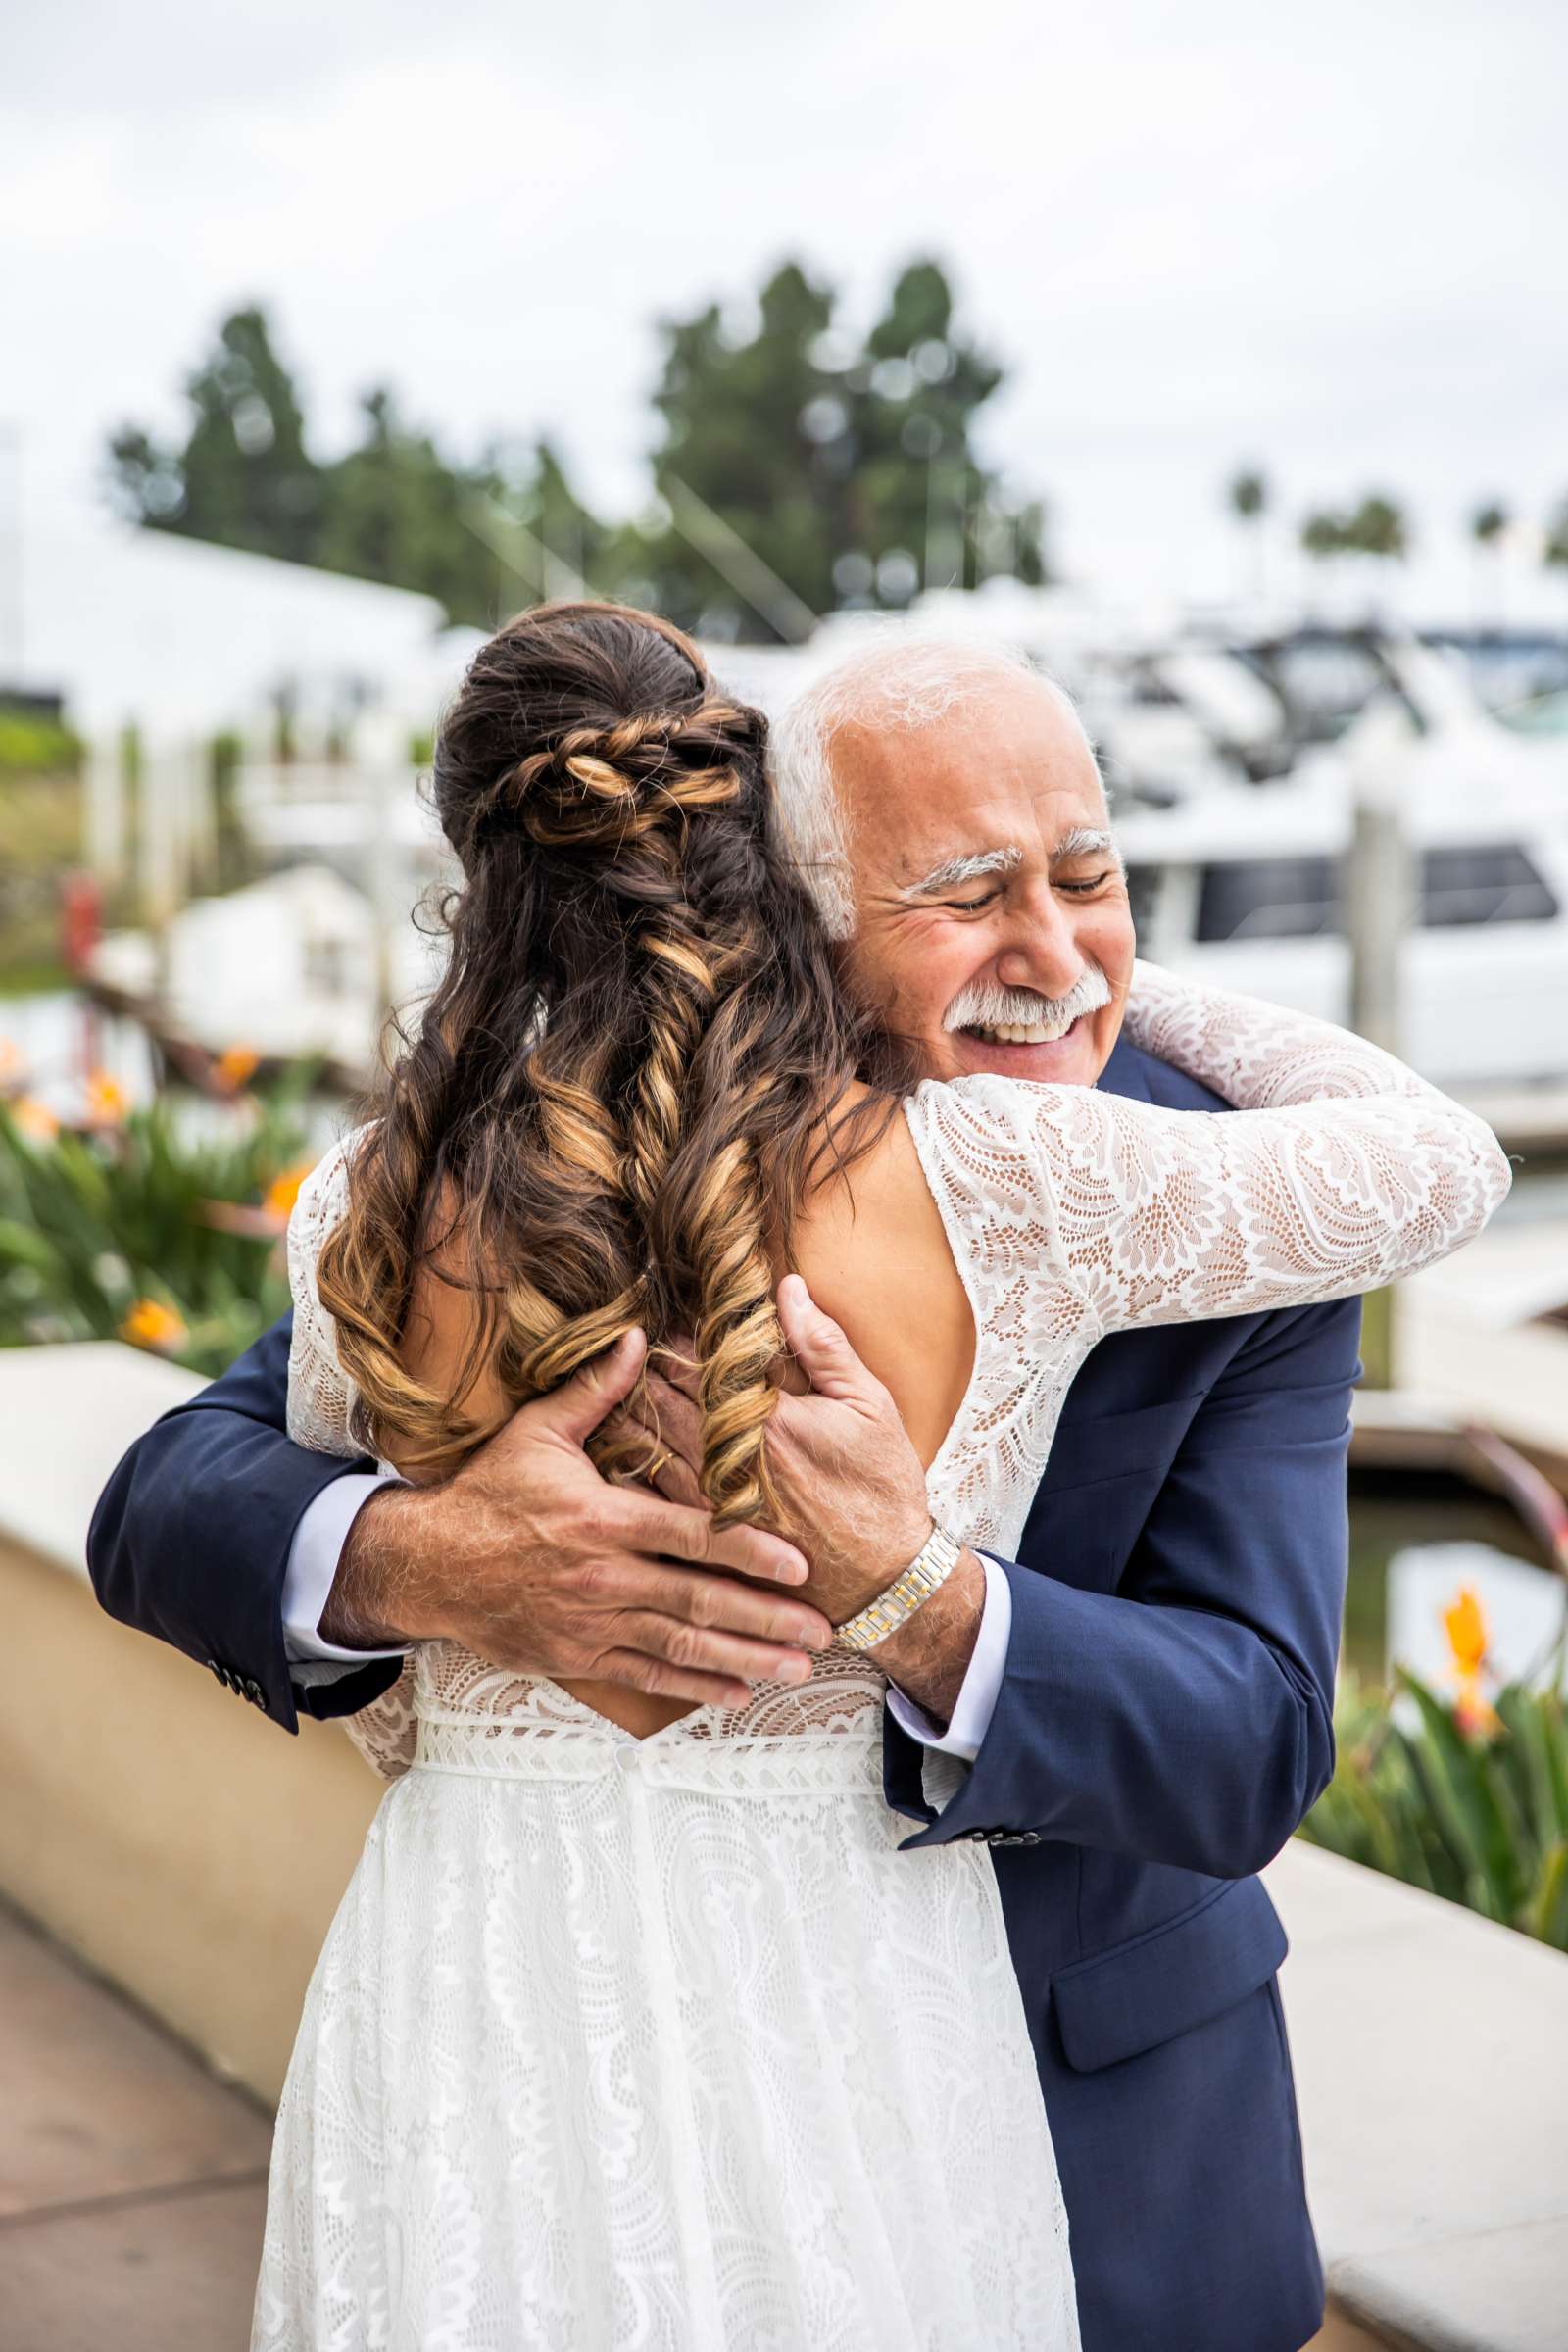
x=182 y=639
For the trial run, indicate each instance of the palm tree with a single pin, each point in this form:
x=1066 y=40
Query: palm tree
x=1488 y=524
x=1248 y=493
x=1378 y=528
x=1323 y=534
x=1555 y=547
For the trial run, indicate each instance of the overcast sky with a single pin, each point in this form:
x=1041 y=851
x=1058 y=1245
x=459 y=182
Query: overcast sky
x=1327 y=237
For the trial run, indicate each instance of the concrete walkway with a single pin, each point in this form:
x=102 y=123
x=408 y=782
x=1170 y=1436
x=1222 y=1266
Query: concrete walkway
x=132 y=2184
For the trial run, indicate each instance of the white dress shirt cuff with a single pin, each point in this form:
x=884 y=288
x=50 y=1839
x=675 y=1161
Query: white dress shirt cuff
x=976 y=1701
x=312 y=1559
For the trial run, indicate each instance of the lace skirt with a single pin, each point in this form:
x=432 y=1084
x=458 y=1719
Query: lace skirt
x=661 y=2044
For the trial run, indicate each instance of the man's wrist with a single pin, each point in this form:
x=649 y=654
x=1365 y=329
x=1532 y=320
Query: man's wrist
x=378 y=1599
x=929 y=1655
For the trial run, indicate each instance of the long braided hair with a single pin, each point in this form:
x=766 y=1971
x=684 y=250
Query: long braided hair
x=630 y=1071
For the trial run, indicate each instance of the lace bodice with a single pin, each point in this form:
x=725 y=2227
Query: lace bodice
x=1070 y=1213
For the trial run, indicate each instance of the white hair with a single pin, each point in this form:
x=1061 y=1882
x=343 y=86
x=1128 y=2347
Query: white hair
x=895 y=681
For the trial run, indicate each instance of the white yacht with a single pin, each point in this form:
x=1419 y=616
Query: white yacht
x=1243 y=886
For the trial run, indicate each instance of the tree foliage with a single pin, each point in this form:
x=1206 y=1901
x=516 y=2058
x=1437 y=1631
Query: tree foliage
x=1247 y=494
x=1376 y=527
x=393 y=508
x=845 y=463
x=1554 y=549
x=799 y=467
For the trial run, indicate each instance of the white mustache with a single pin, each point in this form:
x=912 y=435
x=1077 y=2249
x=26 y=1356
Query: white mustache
x=983 y=1004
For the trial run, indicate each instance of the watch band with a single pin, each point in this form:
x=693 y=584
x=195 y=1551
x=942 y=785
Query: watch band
x=930 y=1568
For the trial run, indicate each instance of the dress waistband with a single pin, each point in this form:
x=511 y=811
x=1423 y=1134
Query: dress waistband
x=845 y=1763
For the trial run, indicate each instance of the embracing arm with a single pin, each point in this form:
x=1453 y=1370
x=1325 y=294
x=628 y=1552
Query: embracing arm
x=1337 y=1169
x=191 y=1536
x=1187 y=1718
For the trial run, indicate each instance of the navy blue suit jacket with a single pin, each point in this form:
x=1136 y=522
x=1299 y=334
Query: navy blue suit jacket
x=1163 y=1724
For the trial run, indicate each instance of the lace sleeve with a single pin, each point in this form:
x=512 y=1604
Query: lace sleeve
x=384 y=1731
x=324 y=1415
x=323 y=1403
x=1337 y=1171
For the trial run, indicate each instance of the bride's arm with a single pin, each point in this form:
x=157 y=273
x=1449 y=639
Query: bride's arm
x=1337 y=1171
x=322 y=1413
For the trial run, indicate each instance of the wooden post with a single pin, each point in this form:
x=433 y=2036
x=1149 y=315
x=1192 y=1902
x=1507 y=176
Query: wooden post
x=1381 y=908
x=385 y=779
x=105 y=812
x=158 y=857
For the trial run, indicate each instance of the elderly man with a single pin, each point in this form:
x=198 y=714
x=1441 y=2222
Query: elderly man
x=1134 y=1716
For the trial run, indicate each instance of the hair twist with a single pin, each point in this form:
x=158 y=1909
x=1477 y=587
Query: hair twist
x=630 y=1066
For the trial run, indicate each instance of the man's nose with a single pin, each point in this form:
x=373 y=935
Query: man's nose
x=1042 y=952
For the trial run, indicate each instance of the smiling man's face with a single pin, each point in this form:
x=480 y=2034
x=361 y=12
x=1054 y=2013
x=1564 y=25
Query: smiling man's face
x=992 y=928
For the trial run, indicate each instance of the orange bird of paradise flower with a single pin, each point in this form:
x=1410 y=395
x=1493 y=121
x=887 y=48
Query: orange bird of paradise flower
x=1465 y=1624
x=150 y=1323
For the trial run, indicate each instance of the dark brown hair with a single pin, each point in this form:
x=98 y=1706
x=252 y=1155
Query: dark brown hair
x=630 y=1068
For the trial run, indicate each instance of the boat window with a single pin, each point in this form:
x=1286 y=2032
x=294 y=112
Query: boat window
x=1269 y=897
x=1496 y=884
x=1149 y=691
x=1299 y=898
x=1145 y=884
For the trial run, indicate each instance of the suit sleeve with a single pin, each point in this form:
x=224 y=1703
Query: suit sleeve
x=1187 y=1718
x=190 y=1538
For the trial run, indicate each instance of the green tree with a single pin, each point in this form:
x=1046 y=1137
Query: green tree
x=243 y=477
x=1323 y=535
x=753 y=429
x=1247 y=494
x=1248 y=497
x=1555 y=546
x=798 y=468
x=394 y=510
x=840 y=469
x=925 y=510
x=1378 y=527
x=1489 y=525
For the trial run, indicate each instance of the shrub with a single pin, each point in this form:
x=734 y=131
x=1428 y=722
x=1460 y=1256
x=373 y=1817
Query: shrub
x=37 y=747
x=131 y=1226
x=1466 y=1799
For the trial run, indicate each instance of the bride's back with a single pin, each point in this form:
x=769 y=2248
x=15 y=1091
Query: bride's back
x=637 y=1096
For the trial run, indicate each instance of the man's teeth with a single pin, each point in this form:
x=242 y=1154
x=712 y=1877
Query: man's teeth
x=1012 y=1033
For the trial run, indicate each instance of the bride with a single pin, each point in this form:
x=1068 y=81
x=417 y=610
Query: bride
x=634 y=2028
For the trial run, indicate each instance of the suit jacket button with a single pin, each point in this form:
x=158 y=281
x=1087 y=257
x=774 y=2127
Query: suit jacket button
x=978 y=1837
x=1029 y=1838
x=255 y=1694
x=213 y=1667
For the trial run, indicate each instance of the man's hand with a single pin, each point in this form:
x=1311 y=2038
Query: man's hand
x=529 y=1559
x=852 y=1496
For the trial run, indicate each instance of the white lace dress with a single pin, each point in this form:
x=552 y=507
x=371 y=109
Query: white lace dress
x=663 y=2043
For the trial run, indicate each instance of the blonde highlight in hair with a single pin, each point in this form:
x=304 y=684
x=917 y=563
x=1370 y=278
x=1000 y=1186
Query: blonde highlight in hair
x=624 y=1080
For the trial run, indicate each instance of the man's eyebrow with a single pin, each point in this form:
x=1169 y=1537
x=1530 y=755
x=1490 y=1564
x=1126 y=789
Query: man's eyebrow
x=1084 y=841
x=956 y=870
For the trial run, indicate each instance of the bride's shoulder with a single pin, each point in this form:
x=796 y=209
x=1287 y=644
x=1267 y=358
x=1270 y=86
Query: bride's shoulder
x=1013 y=1106
x=323 y=1193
